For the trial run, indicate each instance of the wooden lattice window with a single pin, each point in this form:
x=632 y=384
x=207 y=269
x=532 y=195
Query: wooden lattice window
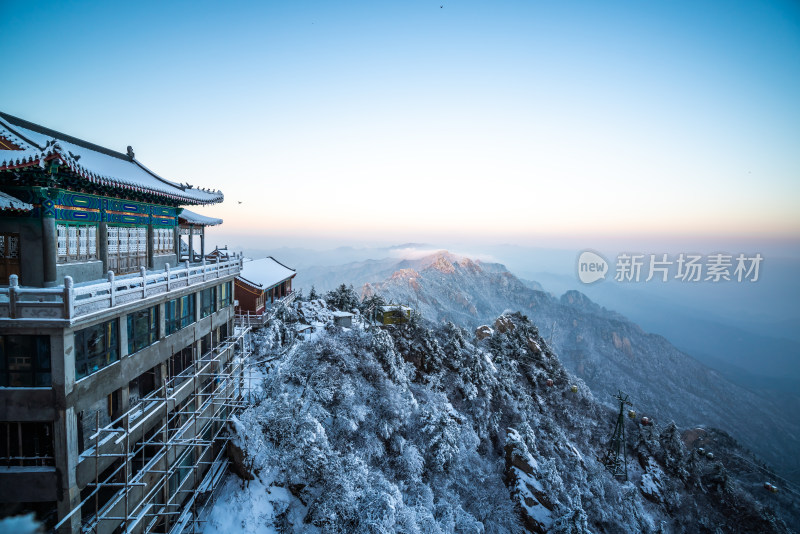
x=163 y=241
x=9 y=245
x=72 y=240
x=141 y=235
x=76 y=242
x=62 y=240
x=127 y=248
x=113 y=240
x=83 y=240
x=123 y=241
x=92 y=239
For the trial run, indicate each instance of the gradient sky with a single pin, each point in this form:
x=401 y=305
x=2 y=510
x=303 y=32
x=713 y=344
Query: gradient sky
x=406 y=121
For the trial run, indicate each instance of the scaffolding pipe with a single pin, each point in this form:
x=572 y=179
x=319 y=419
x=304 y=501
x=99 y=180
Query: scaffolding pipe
x=208 y=416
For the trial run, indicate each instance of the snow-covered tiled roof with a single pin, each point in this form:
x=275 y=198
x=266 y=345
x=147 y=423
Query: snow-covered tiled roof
x=265 y=273
x=190 y=217
x=221 y=252
x=9 y=203
x=92 y=162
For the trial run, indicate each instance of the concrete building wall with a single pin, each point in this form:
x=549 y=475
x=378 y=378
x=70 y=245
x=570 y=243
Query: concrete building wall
x=28 y=484
x=161 y=261
x=68 y=399
x=82 y=271
x=118 y=374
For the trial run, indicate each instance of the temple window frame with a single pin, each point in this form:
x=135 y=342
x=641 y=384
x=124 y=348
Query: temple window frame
x=74 y=244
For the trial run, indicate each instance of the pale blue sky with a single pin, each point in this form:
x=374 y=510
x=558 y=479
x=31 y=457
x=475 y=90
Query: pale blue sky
x=497 y=121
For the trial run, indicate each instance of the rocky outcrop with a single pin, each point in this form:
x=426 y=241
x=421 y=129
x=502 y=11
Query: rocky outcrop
x=622 y=343
x=239 y=462
x=503 y=324
x=532 y=503
x=442 y=264
x=652 y=483
x=484 y=331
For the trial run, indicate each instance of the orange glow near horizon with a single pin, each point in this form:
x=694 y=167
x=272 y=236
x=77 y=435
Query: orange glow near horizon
x=486 y=226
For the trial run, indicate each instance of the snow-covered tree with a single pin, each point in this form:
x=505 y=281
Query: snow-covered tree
x=343 y=298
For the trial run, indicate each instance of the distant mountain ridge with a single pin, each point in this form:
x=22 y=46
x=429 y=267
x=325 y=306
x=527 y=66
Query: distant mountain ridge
x=601 y=346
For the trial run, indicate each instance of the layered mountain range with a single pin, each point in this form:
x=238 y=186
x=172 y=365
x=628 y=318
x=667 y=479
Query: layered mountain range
x=608 y=351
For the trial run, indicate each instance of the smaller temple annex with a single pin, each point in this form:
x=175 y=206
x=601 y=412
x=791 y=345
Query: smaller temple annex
x=260 y=283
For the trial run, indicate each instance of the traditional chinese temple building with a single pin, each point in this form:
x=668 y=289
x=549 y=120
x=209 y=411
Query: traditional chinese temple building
x=117 y=367
x=260 y=283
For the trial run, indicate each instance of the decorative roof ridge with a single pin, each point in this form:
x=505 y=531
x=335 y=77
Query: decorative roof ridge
x=281 y=264
x=9 y=202
x=180 y=186
x=35 y=153
x=22 y=123
x=254 y=284
x=20 y=159
x=16 y=137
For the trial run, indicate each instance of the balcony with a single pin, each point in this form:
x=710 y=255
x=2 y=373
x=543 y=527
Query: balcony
x=71 y=301
x=248 y=319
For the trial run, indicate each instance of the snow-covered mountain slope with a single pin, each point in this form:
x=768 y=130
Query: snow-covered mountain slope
x=605 y=349
x=358 y=273
x=427 y=428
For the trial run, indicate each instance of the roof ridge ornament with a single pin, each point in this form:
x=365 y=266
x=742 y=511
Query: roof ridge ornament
x=43 y=144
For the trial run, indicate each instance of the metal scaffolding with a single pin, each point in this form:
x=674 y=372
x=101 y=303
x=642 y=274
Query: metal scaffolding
x=157 y=465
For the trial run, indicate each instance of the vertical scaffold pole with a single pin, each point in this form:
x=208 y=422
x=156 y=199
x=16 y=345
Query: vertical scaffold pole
x=96 y=470
x=127 y=467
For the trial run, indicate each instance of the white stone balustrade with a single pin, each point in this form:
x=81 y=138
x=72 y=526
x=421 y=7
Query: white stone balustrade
x=71 y=301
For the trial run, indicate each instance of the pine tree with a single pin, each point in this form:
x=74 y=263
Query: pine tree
x=342 y=298
x=370 y=304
